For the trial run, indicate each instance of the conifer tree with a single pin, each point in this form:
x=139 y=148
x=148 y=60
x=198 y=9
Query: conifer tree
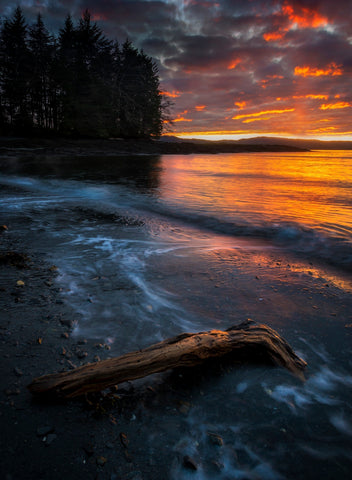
x=40 y=83
x=80 y=83
x=14 y=73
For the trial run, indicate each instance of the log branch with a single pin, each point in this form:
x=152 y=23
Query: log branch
x=248 y=341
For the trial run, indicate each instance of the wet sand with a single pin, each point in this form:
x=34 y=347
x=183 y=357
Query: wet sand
x=108 y=437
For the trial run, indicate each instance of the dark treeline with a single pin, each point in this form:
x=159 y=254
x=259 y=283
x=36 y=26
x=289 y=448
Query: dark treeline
x=78 y=83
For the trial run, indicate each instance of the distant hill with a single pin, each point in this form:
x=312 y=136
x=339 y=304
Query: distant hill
x=297 y=142
x=306 y=144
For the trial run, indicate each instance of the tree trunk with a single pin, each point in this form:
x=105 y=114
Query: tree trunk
x=247 y=341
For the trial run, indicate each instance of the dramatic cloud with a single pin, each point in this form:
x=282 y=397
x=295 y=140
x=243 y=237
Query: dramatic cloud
x=235 y=66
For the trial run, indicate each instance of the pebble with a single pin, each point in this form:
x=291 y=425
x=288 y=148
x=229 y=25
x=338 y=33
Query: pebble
x=101 y=461
x=124 y=439
x=189 y=463
x=71 y=364
x=80 y=354
x=18 y=372
x=215 y=439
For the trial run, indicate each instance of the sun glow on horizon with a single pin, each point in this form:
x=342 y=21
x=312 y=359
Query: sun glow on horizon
x=243 y=134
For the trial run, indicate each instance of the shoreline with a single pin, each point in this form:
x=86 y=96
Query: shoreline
x=138 y=432
x=101 y=438
x=25 y=147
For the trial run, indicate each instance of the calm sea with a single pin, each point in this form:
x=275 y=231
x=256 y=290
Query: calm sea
x=148 y=247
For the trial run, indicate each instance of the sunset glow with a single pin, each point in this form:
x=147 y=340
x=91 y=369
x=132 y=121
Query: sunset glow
x=256 y=68
x=265 y=112
x=334 y=106
x=331 y=70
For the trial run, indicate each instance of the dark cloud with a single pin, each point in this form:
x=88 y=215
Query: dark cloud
x=229 y=56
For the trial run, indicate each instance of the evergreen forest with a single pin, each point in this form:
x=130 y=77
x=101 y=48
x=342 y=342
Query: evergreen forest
x=78 y=83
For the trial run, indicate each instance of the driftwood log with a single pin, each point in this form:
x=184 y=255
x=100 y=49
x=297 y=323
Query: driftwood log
x=248 y=341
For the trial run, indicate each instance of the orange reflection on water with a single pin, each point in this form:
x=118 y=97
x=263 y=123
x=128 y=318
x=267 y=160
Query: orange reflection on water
x=300 y=188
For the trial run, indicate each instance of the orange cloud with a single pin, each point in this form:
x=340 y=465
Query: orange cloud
x=309 y=95
x=250 y=120
x=317 y=97
x=323 y=130
x=234 y=64
x=304 y=17
x=300 y=16
x=333 y=106
x=240 y=105
x=180 y=117
x=200 y=108
x=265 y=112
x=173 y=94
x=274 y=36
x=332 y=70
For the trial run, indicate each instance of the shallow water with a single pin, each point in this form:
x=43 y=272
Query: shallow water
x=148 y=247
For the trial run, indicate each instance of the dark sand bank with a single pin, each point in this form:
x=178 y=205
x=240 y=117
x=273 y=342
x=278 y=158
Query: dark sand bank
x=109 y=438
x=84 y=439
x=25 y=147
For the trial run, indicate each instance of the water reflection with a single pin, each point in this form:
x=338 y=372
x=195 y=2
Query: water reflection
x=314 y=189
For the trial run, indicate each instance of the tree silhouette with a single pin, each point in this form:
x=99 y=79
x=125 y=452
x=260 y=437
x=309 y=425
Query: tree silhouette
x=42 y=101
x=80 y=83
x=14 y=74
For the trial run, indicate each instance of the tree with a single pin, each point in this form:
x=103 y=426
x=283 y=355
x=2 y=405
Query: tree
x=80 y=83
x=85 y=55
x=14 y=76
x=41 y=87
x=140 y=100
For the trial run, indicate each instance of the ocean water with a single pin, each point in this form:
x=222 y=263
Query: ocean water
x=148 y=247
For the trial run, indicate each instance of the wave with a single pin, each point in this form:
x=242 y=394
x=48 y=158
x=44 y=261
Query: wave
x=332 y=246
x=121 y=205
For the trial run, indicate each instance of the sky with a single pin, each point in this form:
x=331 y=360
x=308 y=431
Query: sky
x=235 y=68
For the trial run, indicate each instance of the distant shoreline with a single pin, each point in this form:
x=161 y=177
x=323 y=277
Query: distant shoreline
x=28 y=147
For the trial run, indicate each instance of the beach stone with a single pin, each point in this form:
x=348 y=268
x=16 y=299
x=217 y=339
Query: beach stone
x=101 y=461
x=80 y=354
x=44 y=430
x=215 y=439
x=189 y=463
x=18 y=372
x=124 y=439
